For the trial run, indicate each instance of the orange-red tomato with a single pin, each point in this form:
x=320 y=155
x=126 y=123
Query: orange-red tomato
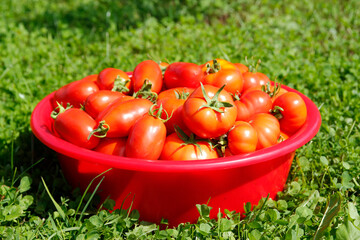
x=294 y=113
x=242 y=138
x=242 y=68
x=269 y=91
x=147 y=70
x=112 y=146
x=224 y=64
x=231 y=78
x=183 y=74
x=268 y=129
x=209 y=113
x=98 y=101
x=253 y=79
x=176 y=149
x=114 y=79
x=146 y=138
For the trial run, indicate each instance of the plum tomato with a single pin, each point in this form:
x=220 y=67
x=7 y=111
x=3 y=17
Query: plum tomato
x=242 y=138
x=268 y=129
x=209 y=112
x=112 y=146
x=114 y=79
x=147 y=70
x=183 y=74
x=98 y=101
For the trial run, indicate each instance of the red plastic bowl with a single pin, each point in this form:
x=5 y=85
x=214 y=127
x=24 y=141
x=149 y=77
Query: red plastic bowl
x=171 y=189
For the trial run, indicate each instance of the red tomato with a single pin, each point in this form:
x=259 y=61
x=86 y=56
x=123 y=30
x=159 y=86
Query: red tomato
x=75 y=93
x=149 y=70
x=176 y=149
x=183 y=74
x=252 y=79
x=114 y=79
x=273 y=93
x=255 y=101
x=74 y=125
x=121 y=115
x=267 y=128
x=242 y=68
x=209 y=112
x=92 y=77
x=283 y=136
x=98 y=101
x=112 y=146
x=172 y=101
x=146 y=138
x=242 y=138
x=216 y=65
x=294 y=113
x=231 y=78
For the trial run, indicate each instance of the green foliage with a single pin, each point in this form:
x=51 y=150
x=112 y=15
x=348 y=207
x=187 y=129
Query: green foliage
x=309 y=45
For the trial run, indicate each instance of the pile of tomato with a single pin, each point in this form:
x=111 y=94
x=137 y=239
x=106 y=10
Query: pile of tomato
x=177 y=111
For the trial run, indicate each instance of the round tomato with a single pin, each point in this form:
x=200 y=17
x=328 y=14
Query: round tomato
x=267 y=128
x=255 y=101
x=98 y=101
x=253 y=79
x=147 y=70
x=293 y=113
x=183 y=74
x=146 y=138
x=112 y=146
x=115 y=80
x=120 y=116
x=231 y=78
x=178 y=149
x=75 y=126
x=242 y=138
x=242 y=68
x=217 y=64
x=272 y=91
x=209 y=112
x=75 y=93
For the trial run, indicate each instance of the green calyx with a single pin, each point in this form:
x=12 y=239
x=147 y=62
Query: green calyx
x=100 y=131
x=181 y=95
x=190 y=139
x=214 y=103
x=157 y=112
x=266 y=89
x=120 y=85
x=145 y=92
x=276 y=111
x=214 y=68
x=59 y=109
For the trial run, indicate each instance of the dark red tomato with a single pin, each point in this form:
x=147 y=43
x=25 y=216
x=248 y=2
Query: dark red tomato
x=146 y=138
x=294 y=113
x=172 y=101
x=242 y=138
x=98 y=101
x=176 y=149
x=75 y=93
x=255 y=101
x=74 y=125
x=252 y=79
x=183 y=74
x=231 y=78
x=147 y=70
x=209 y=112
x=242 y=68
x=121 y=115
x=268 y=129
x=112 y=146
x=114 y=79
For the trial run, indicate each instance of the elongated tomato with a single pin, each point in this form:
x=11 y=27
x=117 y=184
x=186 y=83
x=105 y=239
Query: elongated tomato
x=98 y=101
x=147 y=70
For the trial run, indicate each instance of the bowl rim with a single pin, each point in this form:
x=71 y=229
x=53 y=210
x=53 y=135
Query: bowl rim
x=298 y=139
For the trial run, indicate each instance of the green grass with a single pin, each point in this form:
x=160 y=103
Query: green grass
x=313 y=45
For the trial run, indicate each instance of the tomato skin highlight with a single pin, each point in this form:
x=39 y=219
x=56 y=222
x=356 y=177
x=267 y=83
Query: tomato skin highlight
x=242 y=138
x=175 y=150
x=255 y=101
x=252 y=79
x=122 y=115
x=231 y=78
x=75 y=93
x=98 y=101
x=294 y=114
x=107 y=77
x=74 y=125
x=149 y=70
x=183 y=74
x=112 y=146
x=204 y=121
x=268 y=129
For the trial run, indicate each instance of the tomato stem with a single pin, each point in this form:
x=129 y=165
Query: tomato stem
x=120 y=85
x=60 y=109
x=100 y=131
x=214 y=103
x=214 y=68
x=157 y=112
x=145 y=92
x=276 y=111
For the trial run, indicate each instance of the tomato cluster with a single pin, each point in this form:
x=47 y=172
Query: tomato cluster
x=177 y=111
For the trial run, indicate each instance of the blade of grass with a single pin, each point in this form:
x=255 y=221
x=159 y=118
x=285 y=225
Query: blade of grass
x=33 y=165
x=64 y=230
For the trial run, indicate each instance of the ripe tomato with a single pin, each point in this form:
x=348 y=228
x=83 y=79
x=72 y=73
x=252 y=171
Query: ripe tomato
x=216 y=65
x=176 y=149
x=267 y=128
x=146 y=138
x=98 y=101
x=75 y=93
x=114 y=79
x=74 y=125
x=149 y=70
x=242 y=138
x=255 y=101
x=294 y=113
x=273 y=92
x=283 y=136
x=121 y=115
x=183 y=74
x=209 y=112
x=112 y=146
x=92 y=77
x=253 y=79
x=231 y=78
x=242 y=68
